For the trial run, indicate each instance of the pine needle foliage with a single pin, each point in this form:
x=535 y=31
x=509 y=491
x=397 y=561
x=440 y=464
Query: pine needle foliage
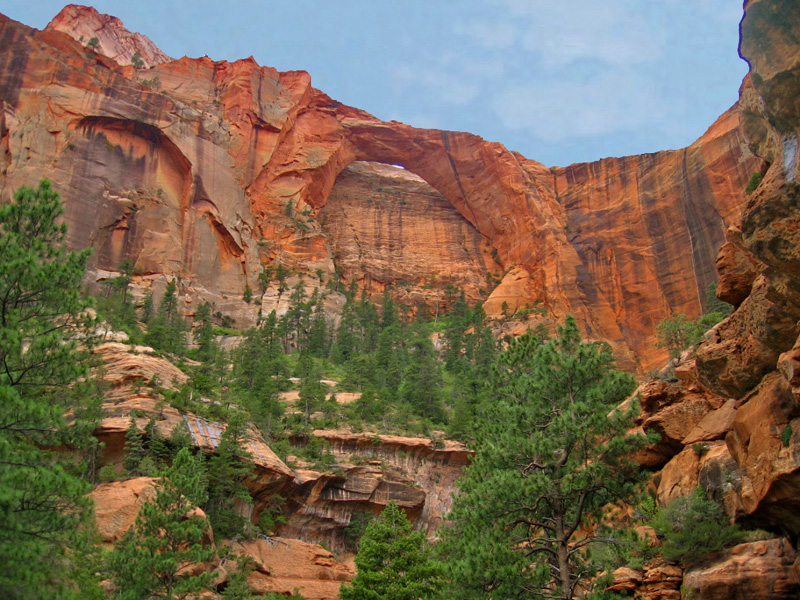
x=550 y=457
x=393 y=562
x=44 y=513
x=154 y=557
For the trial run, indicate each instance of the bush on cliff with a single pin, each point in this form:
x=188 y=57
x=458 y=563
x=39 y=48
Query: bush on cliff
x=692 y=527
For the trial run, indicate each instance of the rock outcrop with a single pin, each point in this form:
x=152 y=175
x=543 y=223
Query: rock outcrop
x=117 y=503
x=754 y=571
x=287 y=566
x=83 y=23
x=729 y=423
x=212 y=171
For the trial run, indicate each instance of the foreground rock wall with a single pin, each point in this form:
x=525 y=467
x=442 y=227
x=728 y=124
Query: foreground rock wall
x=729 y=422
x=212 y=170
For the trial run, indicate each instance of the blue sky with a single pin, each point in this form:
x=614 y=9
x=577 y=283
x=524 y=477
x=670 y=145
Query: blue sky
x=559 y=81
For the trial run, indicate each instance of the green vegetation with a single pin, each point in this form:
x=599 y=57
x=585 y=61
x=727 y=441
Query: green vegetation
x=551 y=457
x=45 y=516
x=136 y=60
x=152 y=558
x=393 y=561
x=93 y=44
x=692 y=527
x=753 y=183
x=678 y=333
x=551 y=448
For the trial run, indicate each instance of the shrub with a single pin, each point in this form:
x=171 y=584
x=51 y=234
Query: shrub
x=755 y=180
x=692 y=527
x=107 y=474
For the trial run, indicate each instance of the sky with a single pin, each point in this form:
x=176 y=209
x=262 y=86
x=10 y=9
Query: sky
x=560 y=81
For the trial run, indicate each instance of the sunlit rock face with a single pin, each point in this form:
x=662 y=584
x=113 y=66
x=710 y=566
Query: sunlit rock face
x=373 y=470
x=212 y=171
x=742 y=386
x=387 y=227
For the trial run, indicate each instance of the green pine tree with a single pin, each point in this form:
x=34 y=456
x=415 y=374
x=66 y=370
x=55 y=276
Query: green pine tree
x=203 y=334
x=550 y=458
x=228 y=468
x=152 y=559
x=45 y=514
x=422 y=381
x=393 y=562
x=135 y=451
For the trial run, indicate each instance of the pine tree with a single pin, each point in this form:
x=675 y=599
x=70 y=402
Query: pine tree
x=312 y=391
x=228 y=468
x=153 y=557
x=550 y=457
x=260 y=373
x=166 y=330
x=203 y=334
x=393 y=562
x=135 y=451
x=44 y=511
x=422 y=381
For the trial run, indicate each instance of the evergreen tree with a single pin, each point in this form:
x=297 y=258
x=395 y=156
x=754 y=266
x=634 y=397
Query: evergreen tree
x=117 y=306
x=296 y=321
x=153 y=557
x=422 y=382
x=228 y=467
x=147 y=307
x=166 y=331
x=312 y=391
x=135 y=451
x=550 y=457
x=393 y=562
x=348 y=335
x=237 y=587
x=389 y=314
x=390 y=361
x=260 y=373
x=44 y=511
x=203 y=334
x=318 y=332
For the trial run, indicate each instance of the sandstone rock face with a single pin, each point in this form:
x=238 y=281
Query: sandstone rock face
x=127 y=367
x=632 y=219
x=430 y=468
x=372 y=470
x=662 y=581
x=750 y=362
x=754 y=571
x=285 y=566
x=213 y=171
x=419 y=477
x=387 y=227
x=82 y=23
x=270 y=474
x=626 y=581
x=117 y=504
x=737 y=269
x=679 y=415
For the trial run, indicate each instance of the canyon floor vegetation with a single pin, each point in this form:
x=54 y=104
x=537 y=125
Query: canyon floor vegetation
x=552 y=445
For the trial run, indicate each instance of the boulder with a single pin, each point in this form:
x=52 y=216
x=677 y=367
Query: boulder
x=116 y=505
x=753 y=571
x=286 y=566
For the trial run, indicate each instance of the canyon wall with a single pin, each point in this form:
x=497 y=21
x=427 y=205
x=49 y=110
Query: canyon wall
x=729 y=421
x=212 y=171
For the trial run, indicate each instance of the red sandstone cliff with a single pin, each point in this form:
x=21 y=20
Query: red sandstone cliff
x=212 y=170
x=731 y=423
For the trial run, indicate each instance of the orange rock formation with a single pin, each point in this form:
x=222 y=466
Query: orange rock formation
x=212 y=170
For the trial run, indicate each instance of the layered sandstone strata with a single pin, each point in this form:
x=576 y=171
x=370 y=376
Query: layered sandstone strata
x=212 y=171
